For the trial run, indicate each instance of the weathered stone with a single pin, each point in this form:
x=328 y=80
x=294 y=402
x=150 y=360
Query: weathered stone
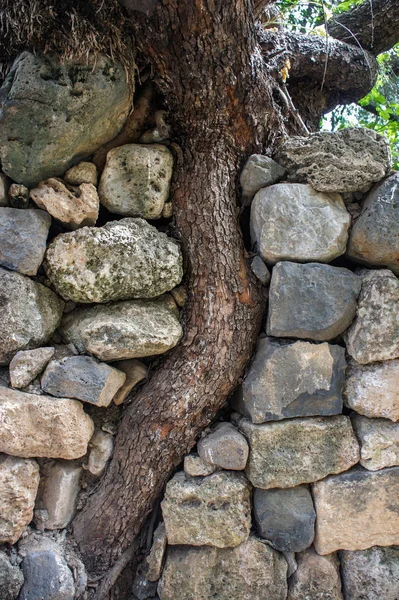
x=379 y=442
x=19 y=481
x=83 y=378
x=11 y=578
x=285 y=518
x=180 y=295
x=28 y=364
x=224 y=447
x=167 y=211
x=29 y=314
x=251 y=571
x=292 y=380
x=372 y=390
x=371 y=574
x=135 y=372
x=374 y=334
x=316 y=578
x=196 y=467
x=122 y=260
x=289 y=453
x=259 y=171
x=135 y=181
x=73 y=207
x=129 y=329
x=58 y=490
x=54 y=113
x=4 y=186
x=260 y=270
x=156 y=556
x=357 y=510
x=348 y=160
x=101 y=447
x=208 y=511
x=311 y=301
x=18 y=194
x=56 y=428
x=291 y=221
x=143 y=588
x=84 y=172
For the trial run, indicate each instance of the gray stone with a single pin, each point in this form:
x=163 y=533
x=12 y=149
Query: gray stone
x=143 y=588
x=292 y=380
x=84 y=172
x=122 y=260
x=285 y=518
x=196 y=467
x=207 y=511
x=83 y=378
x=259 y=171
x=135 y=181
x=371 y=574
x=58 y=490
x=101 y=447
x=11 y=578
x=374 y=334
x=224 y=447
x=379 y=442
x=312 y=301
x=251 y=571
x=29 y=314
x=348 y=160
x=28 y=364
x=130 y=329
x=53 y=114
x=260 y=269
x=155 y=559
x=291 y=221
x=316 y=578
x=18 y=194
x=4 y=186
x=135 y=372
x=23 y=236
x=357 y=510
x=288 y=453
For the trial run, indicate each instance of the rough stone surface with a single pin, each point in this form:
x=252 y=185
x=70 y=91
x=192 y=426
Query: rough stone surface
x=83 y=378
x=135 y=181
x=293 y=380
x=260 y=269
x=312 y=301
x=23 y=235
x=124 y=259
x=28 y=364
x=373 y=390
x=379 y=442
x=4 y=186
x=129 y=329
x=259 y=171
x=224 y=447
x=56 y=428
x=19 y=481
x=285 y=518
x=374 y=335
x=348 y=160
x=53 y=114
x=316 y=578
x=252 y=571
x=371 y=574
x=73 y=207
x=196 y=467
x=357 y=510
x=18 y=194
x=155 y=559
x=84 y=172
x=11 y=578
x=208 y=511
x=58 y=490
x=135 y=372
x=291 y=221
x=29 y=314
x=289 y=453
x=101 y=447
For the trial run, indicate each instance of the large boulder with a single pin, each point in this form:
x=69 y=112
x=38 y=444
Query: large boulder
x=52 y=115
x=316 y=578
x=122 y=260
x=11 y=578
x=371 y=574
x=379 y=442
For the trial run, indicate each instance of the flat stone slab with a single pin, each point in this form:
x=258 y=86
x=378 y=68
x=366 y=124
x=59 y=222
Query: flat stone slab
x=312 y=301
x=155 y=559
x=371 y=574
x=259 y=171
x=379 y=442
x=224 y=447
x=357 y=510
x=316 y=578
x=58 y=490
x=101 y=447
x=28 y=364
x=260 y=270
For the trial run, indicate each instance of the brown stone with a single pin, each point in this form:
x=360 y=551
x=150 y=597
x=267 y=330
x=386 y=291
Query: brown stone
x=316 y=578
x=135 y=372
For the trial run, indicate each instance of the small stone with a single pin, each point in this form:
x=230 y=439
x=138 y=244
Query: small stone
x=83 y=378
x=285 y=518
x=18 y=196
x=374 y=335
x=224 y=447
x=180 y=295
x=135 y=181
x=371 y=574
x=143 y=588
x=26 y=365
x=260 y=270
x=73 y=207
x=278 y=450
x=357 y=510
x=101 y=448
x=196 y=467
x=372 y=390
x=56 y=428
x=124 y=259
x=259 y=171
x=130 y=329
x=155 y=559
x=311 y=301
x=19 y=481
x=291 y=221
x=4 y=186
x=135 y=372
x=379 y=442
x=251 y=571
x=11 y=578
x=84 y=172
x=208 y=511
x=292 y=380
x=167 y=211
x=316 y=578
x=58 y=490
x=348 y=160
